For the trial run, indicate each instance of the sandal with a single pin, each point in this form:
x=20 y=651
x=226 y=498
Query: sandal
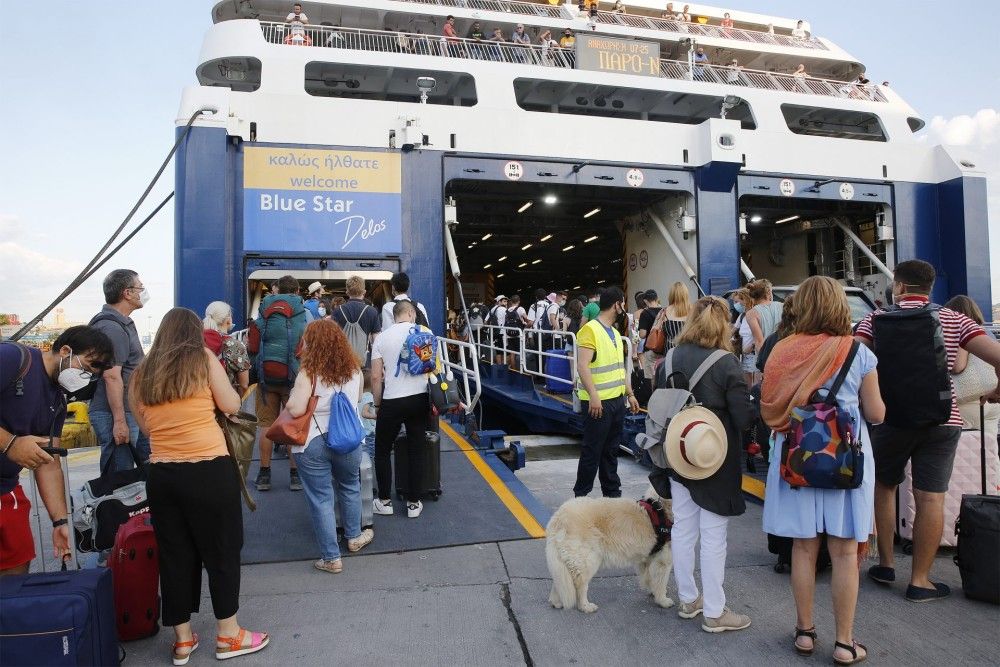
x=258 y=640
x=811 y=634
x=853 y=648
x=192 y=644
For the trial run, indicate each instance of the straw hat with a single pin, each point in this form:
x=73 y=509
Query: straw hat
x=696 y=443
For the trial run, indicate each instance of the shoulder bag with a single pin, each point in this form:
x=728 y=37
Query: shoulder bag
x=293 y=431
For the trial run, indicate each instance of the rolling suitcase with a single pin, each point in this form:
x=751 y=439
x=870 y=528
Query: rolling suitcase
x=367 y=495
x=58 y=618
x=430 y=485
x=559 y=368
x=135 y=568
x=978 y=533
x=782 y=548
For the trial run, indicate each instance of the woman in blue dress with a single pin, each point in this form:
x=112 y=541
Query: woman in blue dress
x=800 y=365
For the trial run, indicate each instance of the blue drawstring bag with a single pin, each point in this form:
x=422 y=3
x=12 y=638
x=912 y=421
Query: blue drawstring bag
x=344 y=431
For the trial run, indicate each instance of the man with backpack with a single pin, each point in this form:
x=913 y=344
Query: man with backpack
x=922 y=423
x=497 y=317
x=401 y=355
x=32 y=411
x=110 y=413
x=400 y=283
x=603 y=391
x=359 y=321
x=273 y=342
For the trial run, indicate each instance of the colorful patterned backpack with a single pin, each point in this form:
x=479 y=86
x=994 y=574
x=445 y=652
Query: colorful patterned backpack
x=821 y=450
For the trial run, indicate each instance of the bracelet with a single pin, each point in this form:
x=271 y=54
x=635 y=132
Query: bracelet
x=9 y=444
x=60 y=522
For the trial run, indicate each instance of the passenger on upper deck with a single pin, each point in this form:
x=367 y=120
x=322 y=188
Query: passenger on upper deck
x=619 y=7
x=727 y=21
x=700 y=60
x=734 y=76
x=522 y=39
x=799 y=32
x=297 y=20
x=449 y=41
x=478 y=36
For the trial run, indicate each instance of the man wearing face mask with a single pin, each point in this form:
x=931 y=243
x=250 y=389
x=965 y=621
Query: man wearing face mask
x=110 y=414
x=604 y=394
x=33 y=408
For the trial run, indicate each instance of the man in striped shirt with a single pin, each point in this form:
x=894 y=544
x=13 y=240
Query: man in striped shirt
x=930 y=450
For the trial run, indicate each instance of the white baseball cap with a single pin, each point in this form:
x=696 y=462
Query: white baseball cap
x=500 y=298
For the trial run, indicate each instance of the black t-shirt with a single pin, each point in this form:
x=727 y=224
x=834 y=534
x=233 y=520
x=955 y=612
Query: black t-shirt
x=371 y=321
x=476 y=33
x=647 y=318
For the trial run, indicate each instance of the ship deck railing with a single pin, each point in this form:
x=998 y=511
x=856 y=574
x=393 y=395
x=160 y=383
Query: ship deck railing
x=630 y=20
x=384 y=41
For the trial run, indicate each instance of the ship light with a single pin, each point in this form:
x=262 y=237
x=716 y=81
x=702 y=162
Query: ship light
x=486 y=238
x=545 y=238
x=568 y=248
x=592 y=213
x=550 y=199
x=784 y=220
x=755 y=218
x=592 y=238
x=525 y=207
x=537 y=261
x=525 y=246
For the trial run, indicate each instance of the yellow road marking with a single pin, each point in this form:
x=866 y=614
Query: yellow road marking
x=753 y=486
x=520 y=512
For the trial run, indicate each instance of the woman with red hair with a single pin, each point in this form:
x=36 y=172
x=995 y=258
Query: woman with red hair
x=328 y=367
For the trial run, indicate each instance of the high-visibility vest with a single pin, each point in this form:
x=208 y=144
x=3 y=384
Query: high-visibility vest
x=607 y=368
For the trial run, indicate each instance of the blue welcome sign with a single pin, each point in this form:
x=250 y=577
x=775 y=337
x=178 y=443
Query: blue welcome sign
x=316 y=200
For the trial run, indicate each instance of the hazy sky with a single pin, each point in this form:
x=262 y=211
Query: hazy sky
x=89 y=92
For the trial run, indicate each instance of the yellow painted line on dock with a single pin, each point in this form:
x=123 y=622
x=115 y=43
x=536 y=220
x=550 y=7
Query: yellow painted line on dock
x=753 y=486
x=520 y=512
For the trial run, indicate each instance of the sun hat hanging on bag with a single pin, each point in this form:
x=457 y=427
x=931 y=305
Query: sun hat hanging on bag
x=344 y=431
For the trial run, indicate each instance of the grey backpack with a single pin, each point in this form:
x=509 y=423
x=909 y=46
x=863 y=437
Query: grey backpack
x=667 y=402
x=356 y=335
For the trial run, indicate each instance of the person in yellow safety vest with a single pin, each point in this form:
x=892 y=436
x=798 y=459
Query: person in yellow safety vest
x=601 y=368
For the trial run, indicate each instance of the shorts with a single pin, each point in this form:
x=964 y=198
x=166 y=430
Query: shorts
x=749 y=362
x=17 y=546
x=268 y=403
x=930 y=451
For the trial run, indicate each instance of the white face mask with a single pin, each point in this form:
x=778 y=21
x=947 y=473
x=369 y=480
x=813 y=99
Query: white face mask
x=144 y=296
x=72 y=379
x=321 y=311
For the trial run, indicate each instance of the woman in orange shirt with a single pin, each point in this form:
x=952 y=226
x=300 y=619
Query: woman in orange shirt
x=193 y=486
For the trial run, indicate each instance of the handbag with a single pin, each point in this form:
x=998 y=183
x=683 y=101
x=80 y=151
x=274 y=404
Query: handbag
x=820 y=449
x=656 y=339
x=293 y=431
x=103 y=504
x=344 y=432
x=240 y=432
x=443 y=392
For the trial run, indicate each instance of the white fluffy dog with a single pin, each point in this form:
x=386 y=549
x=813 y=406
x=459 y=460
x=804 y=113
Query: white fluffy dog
x=586 y=533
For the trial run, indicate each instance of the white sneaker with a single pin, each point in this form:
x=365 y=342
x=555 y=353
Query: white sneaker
x=413 y=510
x=383 y=507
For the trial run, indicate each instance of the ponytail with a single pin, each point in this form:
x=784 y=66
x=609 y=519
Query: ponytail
x=215 y=315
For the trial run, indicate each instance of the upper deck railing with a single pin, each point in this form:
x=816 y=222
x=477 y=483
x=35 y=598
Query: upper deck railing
x=550 y=56
x=632 y=21
x=706 y=30
x=503 y=6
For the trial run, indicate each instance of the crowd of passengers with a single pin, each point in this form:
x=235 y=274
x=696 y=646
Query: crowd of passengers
x=539 y=45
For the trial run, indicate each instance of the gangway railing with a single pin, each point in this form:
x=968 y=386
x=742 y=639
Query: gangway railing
x=502 y=6
x=531 y=351
x=465 y=369
x=707 y=30
x=383 y=41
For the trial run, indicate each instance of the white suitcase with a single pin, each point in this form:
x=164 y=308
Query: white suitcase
x=367 y=494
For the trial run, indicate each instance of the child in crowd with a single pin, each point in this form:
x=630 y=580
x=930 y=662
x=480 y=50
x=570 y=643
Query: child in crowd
x=367 y=410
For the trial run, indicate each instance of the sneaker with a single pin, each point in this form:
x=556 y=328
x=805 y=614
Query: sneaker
x=690 y=609
x=331 y=566
x=361 y=541
x=413 y=510
x=729 y=620
x=263 y=482
x=294 y=483
x=383 y=507
x=918 y=594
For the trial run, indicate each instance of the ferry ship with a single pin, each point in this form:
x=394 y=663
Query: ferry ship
x=640 y=149
x=651 y=150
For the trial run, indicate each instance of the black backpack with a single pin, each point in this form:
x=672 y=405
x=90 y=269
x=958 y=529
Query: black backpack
x=912 y=366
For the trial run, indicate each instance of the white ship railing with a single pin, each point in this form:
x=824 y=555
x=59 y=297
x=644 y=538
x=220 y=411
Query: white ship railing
x=507 y=52
x=502 y=6
x=464 y=368
x=705 y=30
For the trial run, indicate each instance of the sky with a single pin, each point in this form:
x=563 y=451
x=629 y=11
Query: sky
x=89 y=94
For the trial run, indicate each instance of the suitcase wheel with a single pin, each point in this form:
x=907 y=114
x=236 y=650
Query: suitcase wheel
x=781 y=568
x=908 y=547
x=436 y=495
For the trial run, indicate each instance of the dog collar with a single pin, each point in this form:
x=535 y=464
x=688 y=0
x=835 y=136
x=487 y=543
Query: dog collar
x=661 y=524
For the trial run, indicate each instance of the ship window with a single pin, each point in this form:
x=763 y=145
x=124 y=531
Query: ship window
x=392 y=84
x=916 y=124
x=836 y=123
x=664 y=106
x=239 y=74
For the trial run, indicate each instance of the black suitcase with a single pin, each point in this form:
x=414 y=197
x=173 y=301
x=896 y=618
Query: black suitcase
x=430 y=485
x=782 y=548
x=978 y=531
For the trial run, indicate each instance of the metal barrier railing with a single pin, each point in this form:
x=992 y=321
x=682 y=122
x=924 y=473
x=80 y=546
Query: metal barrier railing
x=502 y=6
x=549 y=56
x=465 y=369
x=706 y=30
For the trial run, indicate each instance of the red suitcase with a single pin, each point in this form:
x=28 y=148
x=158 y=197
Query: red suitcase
x=135 y=568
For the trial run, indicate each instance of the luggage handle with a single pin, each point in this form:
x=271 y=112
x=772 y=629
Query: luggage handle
x=63 y=454
x=982 y=442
